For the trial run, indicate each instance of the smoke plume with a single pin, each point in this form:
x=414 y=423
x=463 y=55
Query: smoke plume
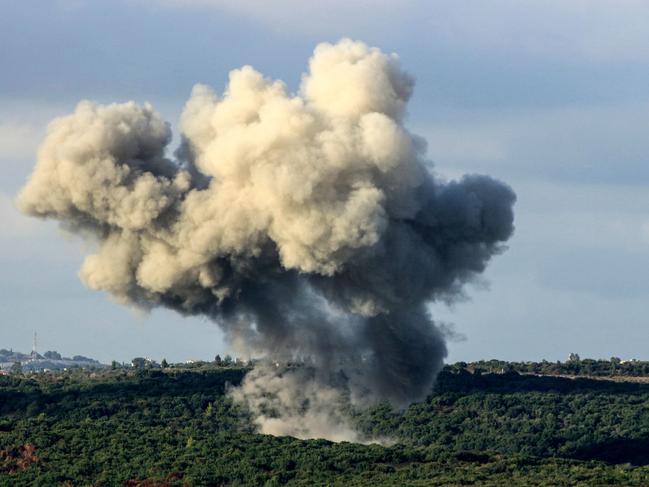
x=309 y=226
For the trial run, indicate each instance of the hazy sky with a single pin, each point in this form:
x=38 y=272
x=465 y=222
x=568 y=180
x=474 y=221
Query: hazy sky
x=550 y=96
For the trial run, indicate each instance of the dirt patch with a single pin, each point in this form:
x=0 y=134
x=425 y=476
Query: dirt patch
x=17 y=459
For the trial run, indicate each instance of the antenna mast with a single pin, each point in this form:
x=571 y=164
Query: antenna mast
x=34 y=353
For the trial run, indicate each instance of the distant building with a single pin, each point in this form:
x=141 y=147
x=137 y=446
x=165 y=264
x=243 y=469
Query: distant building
x=141 y=363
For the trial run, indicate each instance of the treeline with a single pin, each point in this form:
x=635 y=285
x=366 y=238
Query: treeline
x=147 y=363
x=576 y=366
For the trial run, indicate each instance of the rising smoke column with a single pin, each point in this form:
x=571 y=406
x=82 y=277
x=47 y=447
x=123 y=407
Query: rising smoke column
x=308 y=226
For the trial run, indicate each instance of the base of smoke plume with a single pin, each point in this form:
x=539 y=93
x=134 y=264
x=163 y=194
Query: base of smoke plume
x=285 y=400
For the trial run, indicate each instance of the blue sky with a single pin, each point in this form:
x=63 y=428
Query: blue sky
x=551 y=96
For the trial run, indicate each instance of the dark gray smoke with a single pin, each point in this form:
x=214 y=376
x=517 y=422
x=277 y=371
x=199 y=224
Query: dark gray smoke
x=309 y=227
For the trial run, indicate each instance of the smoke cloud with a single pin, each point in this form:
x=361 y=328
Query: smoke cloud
x=310 y=227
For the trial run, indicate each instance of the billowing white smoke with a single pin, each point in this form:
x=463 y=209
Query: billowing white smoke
x=308 y=226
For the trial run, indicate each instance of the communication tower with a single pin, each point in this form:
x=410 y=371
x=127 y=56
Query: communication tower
x=34 y=352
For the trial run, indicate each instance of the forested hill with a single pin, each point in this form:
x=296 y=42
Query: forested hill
x=484 y=424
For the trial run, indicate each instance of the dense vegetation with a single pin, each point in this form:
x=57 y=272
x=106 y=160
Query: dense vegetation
x=176 y=427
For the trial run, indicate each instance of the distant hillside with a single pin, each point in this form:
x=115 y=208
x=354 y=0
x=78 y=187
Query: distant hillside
x=50 y=360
